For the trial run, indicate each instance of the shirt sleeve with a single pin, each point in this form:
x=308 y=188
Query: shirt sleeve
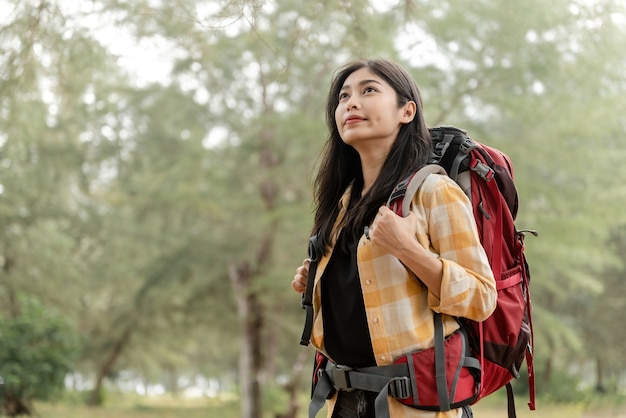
x=468 y=286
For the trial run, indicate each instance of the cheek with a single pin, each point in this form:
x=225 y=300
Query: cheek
x=338 y=117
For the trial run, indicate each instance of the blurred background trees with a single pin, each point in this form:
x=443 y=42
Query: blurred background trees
x=156 y=161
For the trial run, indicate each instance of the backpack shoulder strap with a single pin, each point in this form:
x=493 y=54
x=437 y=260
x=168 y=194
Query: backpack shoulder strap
x=307 y=296
x=408 y=187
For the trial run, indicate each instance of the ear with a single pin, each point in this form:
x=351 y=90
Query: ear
x=408 y=112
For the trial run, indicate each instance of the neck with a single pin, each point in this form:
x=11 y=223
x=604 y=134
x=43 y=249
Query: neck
x=371 y=169
x=373 y=155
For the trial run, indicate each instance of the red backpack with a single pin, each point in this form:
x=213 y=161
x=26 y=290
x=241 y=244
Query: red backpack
x=503 y=341
x=497 y=346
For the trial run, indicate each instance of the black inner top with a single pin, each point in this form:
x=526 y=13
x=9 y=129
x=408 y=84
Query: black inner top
x=346 y=334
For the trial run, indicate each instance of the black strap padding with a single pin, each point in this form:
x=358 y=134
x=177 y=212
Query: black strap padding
x=307 y=296
x=510 y=401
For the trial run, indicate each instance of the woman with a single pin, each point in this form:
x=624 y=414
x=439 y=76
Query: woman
x=375 y=296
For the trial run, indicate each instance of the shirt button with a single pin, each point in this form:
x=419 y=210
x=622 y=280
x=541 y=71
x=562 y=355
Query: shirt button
x=368 y=281
x=383 y=358
x=375 y=320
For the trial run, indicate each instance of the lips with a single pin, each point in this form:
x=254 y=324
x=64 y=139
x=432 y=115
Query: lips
x=353 y=119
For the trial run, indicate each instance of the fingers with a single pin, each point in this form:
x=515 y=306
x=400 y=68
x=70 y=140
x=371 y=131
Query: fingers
x=370 y=232
x=384 y=210
x=387 y=228
x=299 y=279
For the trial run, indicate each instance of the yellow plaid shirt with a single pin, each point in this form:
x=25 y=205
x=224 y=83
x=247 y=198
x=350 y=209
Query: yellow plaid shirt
x=399 y=308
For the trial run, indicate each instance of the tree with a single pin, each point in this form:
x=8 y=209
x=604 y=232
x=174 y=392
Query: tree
x=263 y=99
x=144 y=211
x=603 y=342
x=37 y=350
x=537 y=80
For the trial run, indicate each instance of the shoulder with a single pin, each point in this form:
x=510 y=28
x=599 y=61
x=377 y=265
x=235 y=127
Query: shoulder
x=439 y=188
x=441 y=197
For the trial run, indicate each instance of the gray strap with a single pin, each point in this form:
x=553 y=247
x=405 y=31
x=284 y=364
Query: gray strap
x=457 y=372
x=323 y=390
x=381 y=404
x=471 y=363
x=375 y=379
x=391 y=370
x=440 y=365
x=454 y=170
x=415 y=183
x=464 y=149
x=369 y=382
x=410 y=362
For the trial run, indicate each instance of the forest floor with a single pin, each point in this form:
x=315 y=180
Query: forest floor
x=164 y=408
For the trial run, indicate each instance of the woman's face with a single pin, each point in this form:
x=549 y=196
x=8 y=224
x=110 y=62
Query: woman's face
x=368 y=116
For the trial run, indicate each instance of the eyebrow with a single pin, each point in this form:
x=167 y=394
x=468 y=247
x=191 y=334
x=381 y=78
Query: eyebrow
x=361 y=83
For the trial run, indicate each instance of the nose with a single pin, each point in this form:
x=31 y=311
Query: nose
x=352 y=103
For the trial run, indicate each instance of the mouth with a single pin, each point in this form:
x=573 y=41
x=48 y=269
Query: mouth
x=353 y=119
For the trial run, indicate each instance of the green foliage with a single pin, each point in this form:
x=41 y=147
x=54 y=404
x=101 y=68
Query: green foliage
x=37 y=351
x=564 y=388
x=125 y=205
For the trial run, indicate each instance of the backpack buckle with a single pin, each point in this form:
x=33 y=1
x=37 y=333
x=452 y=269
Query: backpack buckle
x=340 y=377
x=400 y=387
x=467 y=145
x=439 y=150
x=483 y=170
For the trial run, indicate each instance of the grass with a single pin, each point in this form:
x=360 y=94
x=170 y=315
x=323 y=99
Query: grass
x=135 y=407
x=487 y=410
x=203 y=408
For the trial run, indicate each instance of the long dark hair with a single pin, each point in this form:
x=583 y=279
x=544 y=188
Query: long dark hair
x=340 y=164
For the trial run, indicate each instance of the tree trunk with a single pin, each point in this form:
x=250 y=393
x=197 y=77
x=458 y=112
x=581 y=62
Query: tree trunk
x=250 y=316
x=249 y=307
x=105 y=369
x=292 y=387
x=15 y=310
x=172 y=380
x=15 y=406
x=600 y=387
x=272 y=353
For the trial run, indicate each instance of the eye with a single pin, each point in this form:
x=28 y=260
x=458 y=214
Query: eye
x=343 y=95
x=369 y=89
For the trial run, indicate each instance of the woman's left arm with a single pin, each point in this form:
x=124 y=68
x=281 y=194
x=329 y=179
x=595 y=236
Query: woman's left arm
x=455 y=267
